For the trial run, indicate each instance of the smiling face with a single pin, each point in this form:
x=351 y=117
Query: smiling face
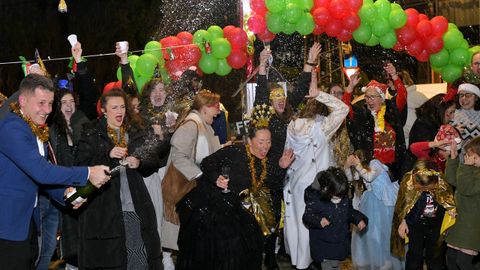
x=114 y=110
x=67 y=106
x=261 y=143
x=158 y=95
x=37 y=105
x=373 y=100
x=467 y=100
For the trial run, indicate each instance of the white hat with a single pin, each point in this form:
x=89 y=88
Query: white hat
x=468 y=87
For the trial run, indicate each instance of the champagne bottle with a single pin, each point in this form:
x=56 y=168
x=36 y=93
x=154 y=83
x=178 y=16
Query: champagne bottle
x=80 y=194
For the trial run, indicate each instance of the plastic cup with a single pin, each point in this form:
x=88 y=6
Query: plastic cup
x=123 y=46
x=72 y=39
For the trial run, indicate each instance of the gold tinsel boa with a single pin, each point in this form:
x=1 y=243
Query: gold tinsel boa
x=40 y=131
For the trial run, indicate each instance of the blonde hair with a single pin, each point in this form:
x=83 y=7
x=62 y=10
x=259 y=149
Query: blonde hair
x=204 y=98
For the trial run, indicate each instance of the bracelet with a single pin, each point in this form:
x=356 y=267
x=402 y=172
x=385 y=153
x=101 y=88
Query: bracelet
x=311 y=64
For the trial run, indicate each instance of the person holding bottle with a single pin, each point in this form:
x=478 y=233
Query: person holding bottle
x=117 y=227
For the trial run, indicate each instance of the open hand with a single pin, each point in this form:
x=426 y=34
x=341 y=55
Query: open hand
x=287 y=158
x=314 y=52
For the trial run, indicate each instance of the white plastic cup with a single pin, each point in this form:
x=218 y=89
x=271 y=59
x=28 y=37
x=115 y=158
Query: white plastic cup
x=72 y=39
x=123 y=46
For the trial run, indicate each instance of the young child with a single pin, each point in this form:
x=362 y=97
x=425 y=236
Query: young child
x=463 y=239
x=423 y=198
x=328 y=214
x=371 y=248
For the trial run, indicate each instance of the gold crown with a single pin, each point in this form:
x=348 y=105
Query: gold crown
x=277 y=93
x=261 y=115
x=429 y=172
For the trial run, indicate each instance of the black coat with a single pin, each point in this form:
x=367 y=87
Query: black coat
x=333 y=241
x=361 y=131
x=102 y=235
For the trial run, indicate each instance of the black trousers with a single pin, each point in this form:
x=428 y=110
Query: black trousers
x=457 y=260
x=424 y=235
x=20 y=255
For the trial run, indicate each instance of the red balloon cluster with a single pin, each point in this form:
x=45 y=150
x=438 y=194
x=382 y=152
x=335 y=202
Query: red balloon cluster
x=238 y=40
x=420 y=36
x=180 y=58
x=337 y=18
x=257 y=23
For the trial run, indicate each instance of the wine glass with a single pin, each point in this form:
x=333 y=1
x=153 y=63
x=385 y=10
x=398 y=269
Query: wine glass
x=226 y=175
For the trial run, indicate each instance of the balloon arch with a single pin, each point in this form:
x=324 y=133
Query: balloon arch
x=218 y=50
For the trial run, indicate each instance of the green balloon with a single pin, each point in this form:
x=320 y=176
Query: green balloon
x=452 y=26
x=154 y=48
x=119 y=73
x=306 y=5
x=464 y=44
x=141 y=81
x=221 y=48
x=275 y=22
x=373 y=41
x=397 y=18
x=440 y=59
x=388 y=40
x=132 y=59
x=208 y=63
x=289 y=28
x=223 y=68
x=451 y=72
x=381 y=27
x=395 y=6
x=292 y=13
x=215 y=32
x=275 y=5
x=452 y=39
x=146 y=64
x=460 y=57
x=383 y=8
x=368 y=2
x=367 y=13
x=305 y=24
x=200 y=37
x=362 y=34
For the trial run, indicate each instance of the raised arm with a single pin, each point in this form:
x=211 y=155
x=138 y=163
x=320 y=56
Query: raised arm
x=87 y=93
x=401 y=98
x=347 y=96
x=127 y=72
x=338 y=111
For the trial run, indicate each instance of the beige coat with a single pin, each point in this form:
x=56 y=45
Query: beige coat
x=189 y=134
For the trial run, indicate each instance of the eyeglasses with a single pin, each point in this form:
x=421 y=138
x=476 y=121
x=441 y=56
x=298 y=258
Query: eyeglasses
x=371 y=97
x=466 y=95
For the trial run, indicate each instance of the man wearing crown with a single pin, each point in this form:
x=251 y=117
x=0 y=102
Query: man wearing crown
x=377 y=126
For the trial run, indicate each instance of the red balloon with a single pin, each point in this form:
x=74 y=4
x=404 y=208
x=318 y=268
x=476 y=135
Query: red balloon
x=423 y=56
x=338 y=9
x=398 y=47
x=422 y=17
x=109 y=86
x=354 y=5
x=266 y=36
x=321 y=16
x=424 y=28
x=117 y=84
x=414 y=48
x=439 y=25
x=185 y=38
x=256 y=5
x=170 y=41
x=434 y=44
x=176 y=68
x=228 y=29
x=237 y=59
x=190 y=54
x=257 y=24
x=344 y=35
x=406 y=35
x=333 y=28
x=351 y=22
x=237 y=38
x=261 y=12
x=321 y=3
x=319 y=29
x=412 y=17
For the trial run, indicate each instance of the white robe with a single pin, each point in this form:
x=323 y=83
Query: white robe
x=309 y=140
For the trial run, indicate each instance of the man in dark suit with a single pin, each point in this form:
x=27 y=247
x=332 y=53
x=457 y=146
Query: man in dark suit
x=24 y=168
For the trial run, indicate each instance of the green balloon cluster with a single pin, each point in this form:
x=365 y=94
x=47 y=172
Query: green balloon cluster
x=379 y=20
x=288 y=16
x=214 y=61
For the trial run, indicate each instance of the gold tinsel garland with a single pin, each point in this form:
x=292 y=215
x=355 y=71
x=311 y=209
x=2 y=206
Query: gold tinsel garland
x=122 y=142
x=40 y=131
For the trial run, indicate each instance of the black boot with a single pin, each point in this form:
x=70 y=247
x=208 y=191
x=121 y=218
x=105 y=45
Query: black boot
x=270 y=258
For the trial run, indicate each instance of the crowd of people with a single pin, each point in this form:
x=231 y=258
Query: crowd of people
x=171 y=191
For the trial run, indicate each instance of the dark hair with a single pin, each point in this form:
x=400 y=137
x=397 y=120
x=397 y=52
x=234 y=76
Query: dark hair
x=288 y=112
x=136 y=117
x=473 y=145
x=58 y=118
x=34 y=81
x=429 y=110
x=148 y=88
x=331 y=182
x=443 y=107
x=129 y=121
x=252 y=130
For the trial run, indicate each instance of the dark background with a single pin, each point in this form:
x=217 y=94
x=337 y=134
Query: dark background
x=29 y=24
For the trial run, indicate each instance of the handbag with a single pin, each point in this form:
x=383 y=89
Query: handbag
x=174 y=187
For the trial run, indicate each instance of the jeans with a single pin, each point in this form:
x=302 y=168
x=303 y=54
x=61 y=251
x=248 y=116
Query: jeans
x=50 y=219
